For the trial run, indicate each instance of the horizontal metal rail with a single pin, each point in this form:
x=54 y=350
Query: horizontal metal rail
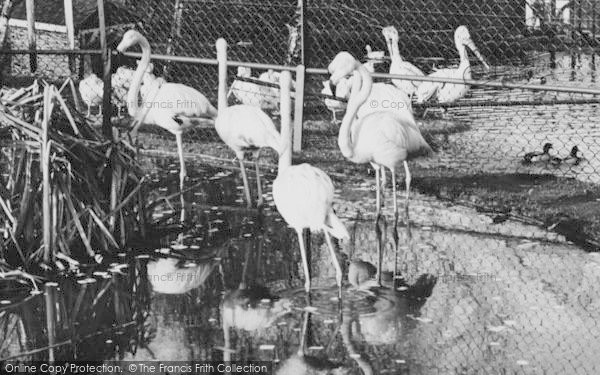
x=473 y=82
x=52 y=52
x=321 y=71
x=475 y=103
x=203 y=61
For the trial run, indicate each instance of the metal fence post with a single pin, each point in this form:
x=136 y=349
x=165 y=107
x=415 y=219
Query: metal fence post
x=298 y=108
x=302 y=32
x=30 y=9
x=106 y=62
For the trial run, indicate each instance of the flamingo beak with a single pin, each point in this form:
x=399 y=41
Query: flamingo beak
x=469 y=43
x=122 y=47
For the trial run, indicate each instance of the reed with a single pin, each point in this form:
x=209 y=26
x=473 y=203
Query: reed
x=67 y=194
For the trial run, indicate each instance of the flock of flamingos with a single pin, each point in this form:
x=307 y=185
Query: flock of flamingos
x=303 y=194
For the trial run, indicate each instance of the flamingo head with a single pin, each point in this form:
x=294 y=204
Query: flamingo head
x=244 y=71
x=390 y=32
x=462 y=36
x=374 y=55
x=574 y=151
x=131 y=38
x=341 y=66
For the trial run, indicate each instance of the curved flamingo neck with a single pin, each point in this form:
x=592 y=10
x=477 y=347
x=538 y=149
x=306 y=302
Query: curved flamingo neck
x=285 y=109
x=394 y=50
x=462 y=52
x=222 y=88
x=133 y=106
x=361 y=89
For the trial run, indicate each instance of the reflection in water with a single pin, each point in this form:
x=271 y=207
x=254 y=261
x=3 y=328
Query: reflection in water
x=253 y=308
x=394 y=311
x=168 y=275
x=424 y=326
x=301 y=363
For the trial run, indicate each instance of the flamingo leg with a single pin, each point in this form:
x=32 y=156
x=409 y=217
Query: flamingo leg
x=407 y=196
x=304 y=261
x=378 y=192
x=259 y=202
x=336 y=264
x=245 y=179
x=182 y=172
x=380 y=245
x=395 y=231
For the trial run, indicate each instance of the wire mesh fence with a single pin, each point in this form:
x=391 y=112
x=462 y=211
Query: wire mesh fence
x=525 y=201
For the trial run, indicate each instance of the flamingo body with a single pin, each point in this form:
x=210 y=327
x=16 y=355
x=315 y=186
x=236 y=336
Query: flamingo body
x=245 y=127
x=246 y=92
x=91 y=90
x=383 y=138
x=303 y=195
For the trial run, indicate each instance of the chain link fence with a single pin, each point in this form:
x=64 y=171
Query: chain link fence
x=497 y=231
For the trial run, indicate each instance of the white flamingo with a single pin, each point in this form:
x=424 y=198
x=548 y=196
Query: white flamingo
x=91 y=90
x=243 y=127
x=120 y=82
x=383 y=96
x=246 y=92
x=449 y=92
x=303 y=194
x=380 y=138
x=172 y=104
x=150 y=83
x=398 y=64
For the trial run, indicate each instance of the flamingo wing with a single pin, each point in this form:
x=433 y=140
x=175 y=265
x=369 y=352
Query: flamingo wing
x=245 y=126
x=428 y=90
x=182 y=100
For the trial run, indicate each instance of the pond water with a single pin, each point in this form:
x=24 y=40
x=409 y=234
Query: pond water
x=227 y=283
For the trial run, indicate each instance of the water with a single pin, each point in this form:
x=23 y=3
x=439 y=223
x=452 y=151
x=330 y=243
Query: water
x=476 y=298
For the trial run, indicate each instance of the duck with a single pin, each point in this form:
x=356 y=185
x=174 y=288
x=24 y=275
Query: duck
x=573 y=158
x=536 y=156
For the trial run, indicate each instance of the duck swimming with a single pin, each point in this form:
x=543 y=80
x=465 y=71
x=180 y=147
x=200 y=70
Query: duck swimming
x=573 y=158
x=536 y=156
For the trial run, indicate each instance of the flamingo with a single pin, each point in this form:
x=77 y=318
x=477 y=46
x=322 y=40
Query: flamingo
x=245 y=92
x=383 y=96
x=120 y=82
x=91 y=89
x=449 y=92
x=399 y=65
x=173 y=104
x=150 y=83
x=243 y=127
x=382 y=139
x=303 y=194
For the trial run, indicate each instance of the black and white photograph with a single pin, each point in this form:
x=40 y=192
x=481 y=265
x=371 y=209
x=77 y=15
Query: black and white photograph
x=295 y=187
